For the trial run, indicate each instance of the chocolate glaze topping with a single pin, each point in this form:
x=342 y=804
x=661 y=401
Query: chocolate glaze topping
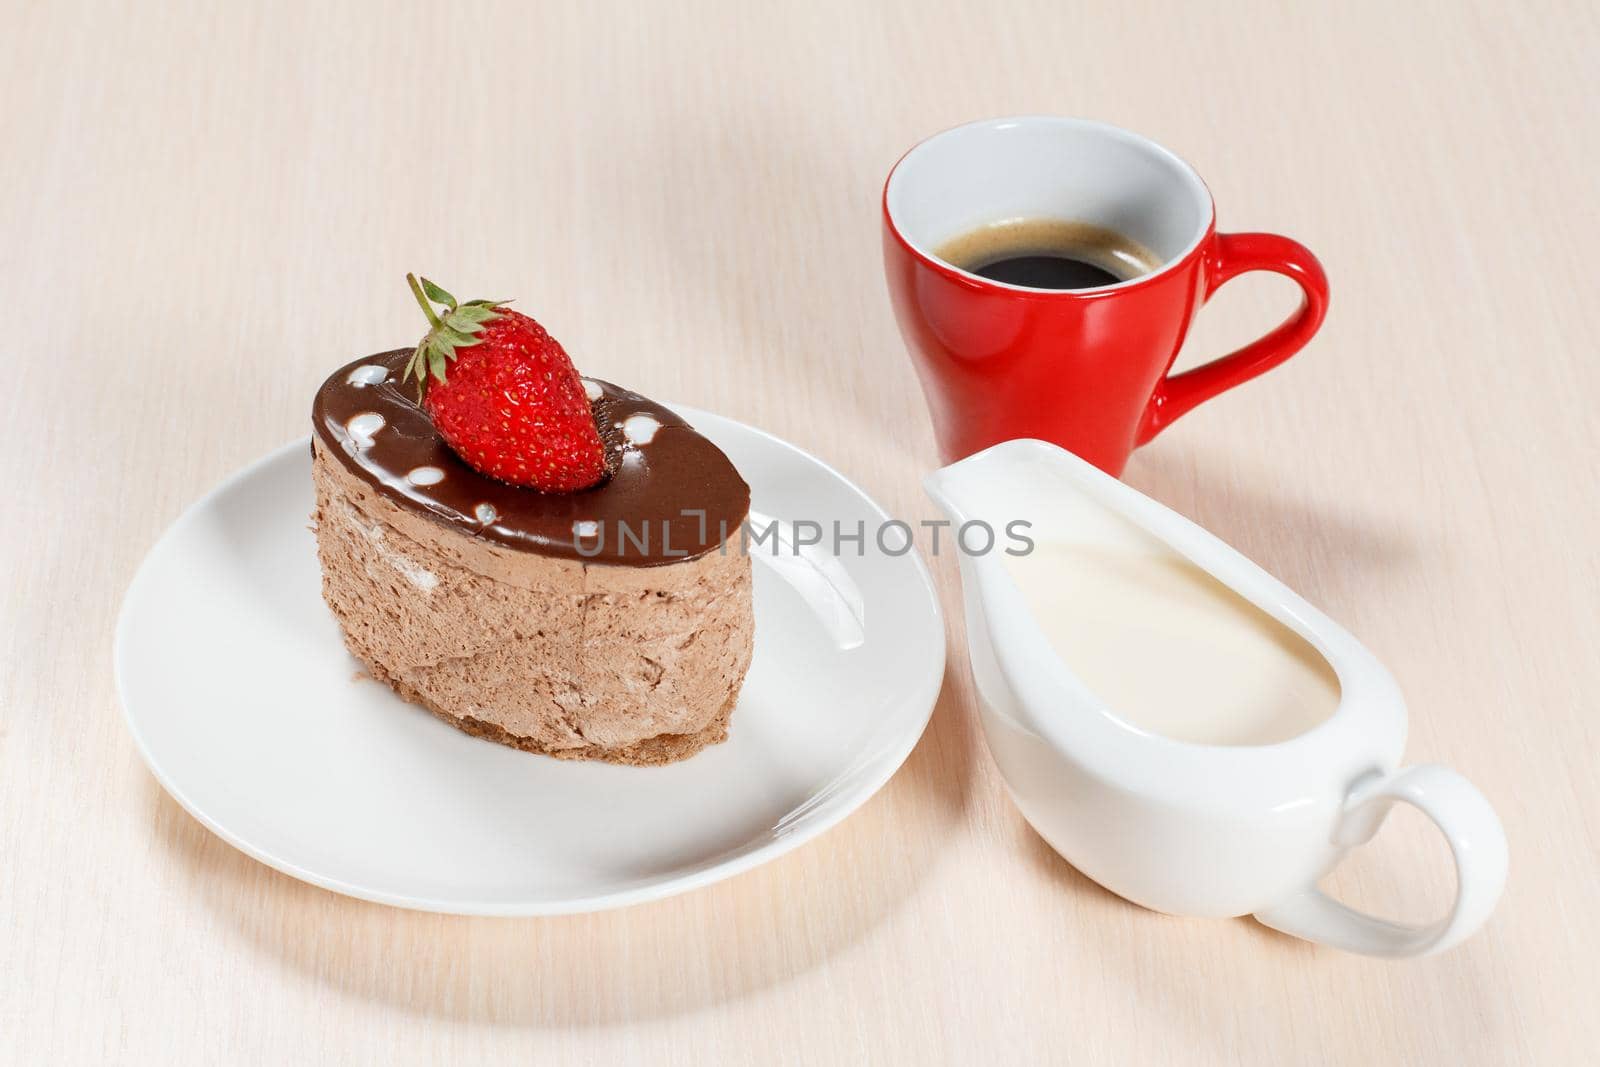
x=660 y=468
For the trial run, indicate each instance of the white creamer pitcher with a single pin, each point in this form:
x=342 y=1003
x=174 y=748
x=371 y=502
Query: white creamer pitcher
x=1195 y=828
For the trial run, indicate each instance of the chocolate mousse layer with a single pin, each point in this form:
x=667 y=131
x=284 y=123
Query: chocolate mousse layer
x=670 y=496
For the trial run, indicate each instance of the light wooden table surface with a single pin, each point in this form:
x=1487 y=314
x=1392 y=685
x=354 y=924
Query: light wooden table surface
x=204 y=207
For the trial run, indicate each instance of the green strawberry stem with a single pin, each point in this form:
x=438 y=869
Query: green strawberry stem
x=422 y=301
x=459 y=327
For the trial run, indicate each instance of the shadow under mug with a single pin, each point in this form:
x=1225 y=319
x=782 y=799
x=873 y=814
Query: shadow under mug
x=1086 y=369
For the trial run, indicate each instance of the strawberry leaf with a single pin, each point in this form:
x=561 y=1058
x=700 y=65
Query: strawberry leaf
x=472 y=313
x=438 y=295
x=456 y=337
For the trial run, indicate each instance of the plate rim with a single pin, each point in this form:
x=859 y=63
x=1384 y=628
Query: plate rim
x=811 y=826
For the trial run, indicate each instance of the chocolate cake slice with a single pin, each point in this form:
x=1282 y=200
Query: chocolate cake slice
x=612 y=623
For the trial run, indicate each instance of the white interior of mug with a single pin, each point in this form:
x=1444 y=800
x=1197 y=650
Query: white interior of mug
x=1076 y=170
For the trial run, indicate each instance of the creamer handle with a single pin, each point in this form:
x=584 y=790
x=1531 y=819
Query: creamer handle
x=1476 y=841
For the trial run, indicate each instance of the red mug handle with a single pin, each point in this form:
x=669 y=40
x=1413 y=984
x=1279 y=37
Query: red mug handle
x=1231 y=255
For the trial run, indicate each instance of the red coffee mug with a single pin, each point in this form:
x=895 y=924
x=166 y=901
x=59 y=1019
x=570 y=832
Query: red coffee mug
x=1084 y=368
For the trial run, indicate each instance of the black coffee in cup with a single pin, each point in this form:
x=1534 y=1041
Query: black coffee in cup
x=1049 y=254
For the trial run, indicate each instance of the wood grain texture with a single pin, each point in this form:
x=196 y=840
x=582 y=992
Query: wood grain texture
x=203 y=207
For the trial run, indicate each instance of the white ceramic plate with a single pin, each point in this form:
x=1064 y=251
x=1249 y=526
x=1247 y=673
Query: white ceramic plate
x=247 y=708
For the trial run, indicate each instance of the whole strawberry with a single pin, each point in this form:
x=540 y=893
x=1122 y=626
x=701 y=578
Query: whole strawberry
x=503 y=394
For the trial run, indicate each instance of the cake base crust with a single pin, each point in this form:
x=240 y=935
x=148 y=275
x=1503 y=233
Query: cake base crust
x=651 y=752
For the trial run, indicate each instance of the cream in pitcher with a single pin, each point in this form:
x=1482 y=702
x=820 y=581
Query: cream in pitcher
x=1111 y=602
